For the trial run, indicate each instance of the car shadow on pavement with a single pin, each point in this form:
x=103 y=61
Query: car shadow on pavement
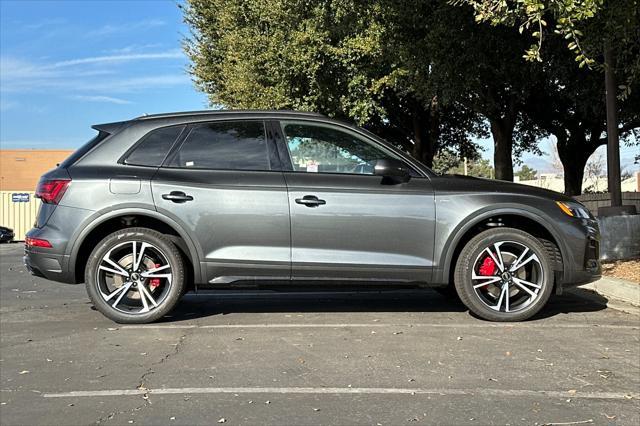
x=209 y=304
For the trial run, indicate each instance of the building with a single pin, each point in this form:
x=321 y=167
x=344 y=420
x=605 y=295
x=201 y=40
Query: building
x=20 y=169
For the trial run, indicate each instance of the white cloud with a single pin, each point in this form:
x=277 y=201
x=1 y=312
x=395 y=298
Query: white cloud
x=171 y=54
x=88 y=74
x=110 y=29
x=103 y=99
x=132 y=48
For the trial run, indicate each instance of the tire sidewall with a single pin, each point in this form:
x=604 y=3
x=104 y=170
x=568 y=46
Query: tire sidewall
x=464 y=284
x=141 y=235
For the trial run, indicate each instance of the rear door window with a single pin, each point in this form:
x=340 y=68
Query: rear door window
x=230 y=145
x=154 y=147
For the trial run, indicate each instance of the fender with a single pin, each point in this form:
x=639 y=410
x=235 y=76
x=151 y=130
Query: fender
x=479 y=216
x=100 y=217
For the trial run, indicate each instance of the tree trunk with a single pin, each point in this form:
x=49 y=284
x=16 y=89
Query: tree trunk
x=423 y=140
x=502 y=131
x=574 y=154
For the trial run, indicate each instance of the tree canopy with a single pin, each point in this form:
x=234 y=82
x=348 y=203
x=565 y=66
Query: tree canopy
x=424 y=75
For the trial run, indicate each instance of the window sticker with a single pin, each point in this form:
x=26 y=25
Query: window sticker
x=312 y=166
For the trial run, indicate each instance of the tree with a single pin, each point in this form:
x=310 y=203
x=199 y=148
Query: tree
x=569 y=104
x=447 y=162
x=527 y=173
x=532 y=15
x=366 y=62
x=480 y=67
x=594 y=169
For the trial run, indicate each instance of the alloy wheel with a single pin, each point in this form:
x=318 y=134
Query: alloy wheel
x=134 y=277
x=507 y=276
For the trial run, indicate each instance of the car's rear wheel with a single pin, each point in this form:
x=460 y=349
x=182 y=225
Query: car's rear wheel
x=135 y=276
x=504 y=274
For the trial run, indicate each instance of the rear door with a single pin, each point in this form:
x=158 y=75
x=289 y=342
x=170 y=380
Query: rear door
x=346 y=223
x=222 y=183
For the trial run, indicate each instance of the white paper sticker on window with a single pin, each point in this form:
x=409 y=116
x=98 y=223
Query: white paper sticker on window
x=189 y=164
x=312 y=166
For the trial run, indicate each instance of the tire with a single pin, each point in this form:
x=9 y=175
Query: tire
x=128 y=294
x=481 y=283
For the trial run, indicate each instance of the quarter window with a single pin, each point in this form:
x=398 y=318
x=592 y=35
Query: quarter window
x=233 y=145
x=154 y=147
x=323 y=149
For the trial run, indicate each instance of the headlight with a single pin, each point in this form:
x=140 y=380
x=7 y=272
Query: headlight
x=573 y=209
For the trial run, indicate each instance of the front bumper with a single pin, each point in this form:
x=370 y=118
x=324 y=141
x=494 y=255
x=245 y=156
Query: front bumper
x=585 y=266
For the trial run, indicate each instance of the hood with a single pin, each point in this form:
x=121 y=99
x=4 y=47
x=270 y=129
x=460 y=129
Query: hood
x=460 y=183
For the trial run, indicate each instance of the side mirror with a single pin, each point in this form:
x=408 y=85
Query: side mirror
x=394 y=171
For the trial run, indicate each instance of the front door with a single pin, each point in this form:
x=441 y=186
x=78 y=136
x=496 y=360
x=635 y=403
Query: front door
x=346 y=223
x=223 y=185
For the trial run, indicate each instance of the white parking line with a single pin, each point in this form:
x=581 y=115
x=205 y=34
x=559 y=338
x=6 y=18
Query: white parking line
x=482 y=325
x=358 y=391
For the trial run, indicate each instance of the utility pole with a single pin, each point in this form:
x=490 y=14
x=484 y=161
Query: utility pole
x=465 y=166
x=613 y=144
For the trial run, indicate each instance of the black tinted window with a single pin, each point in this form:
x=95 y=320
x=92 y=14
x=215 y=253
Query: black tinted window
x=154 y=147
x=238 y=145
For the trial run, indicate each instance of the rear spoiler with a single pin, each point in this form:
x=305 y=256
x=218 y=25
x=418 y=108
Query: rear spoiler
x=109 y=128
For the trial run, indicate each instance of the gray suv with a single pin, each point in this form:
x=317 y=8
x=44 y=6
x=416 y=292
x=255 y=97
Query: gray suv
x=159 y=205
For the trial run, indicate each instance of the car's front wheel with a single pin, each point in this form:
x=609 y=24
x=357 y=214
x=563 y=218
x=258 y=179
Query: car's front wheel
x=504 y=274
x=135 y=276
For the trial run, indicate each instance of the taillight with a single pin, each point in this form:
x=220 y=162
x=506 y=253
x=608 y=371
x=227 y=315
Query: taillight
x=37 y=242
x=51 y=191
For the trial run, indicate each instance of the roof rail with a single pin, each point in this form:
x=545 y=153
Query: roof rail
x=226 y=111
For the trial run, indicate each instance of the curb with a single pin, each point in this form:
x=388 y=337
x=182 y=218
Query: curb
x=622 y=295
x=623 y=290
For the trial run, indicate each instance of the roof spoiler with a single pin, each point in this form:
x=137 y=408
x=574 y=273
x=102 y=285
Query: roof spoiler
x=109 y=127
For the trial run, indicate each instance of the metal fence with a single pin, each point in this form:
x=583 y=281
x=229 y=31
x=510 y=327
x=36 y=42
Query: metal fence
x=18 y=210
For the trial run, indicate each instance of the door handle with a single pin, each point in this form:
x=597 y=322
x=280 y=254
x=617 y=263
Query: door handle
x=310 y=201
x=177 y=197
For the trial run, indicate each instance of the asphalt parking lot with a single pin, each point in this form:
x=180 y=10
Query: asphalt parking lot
x=355 y=358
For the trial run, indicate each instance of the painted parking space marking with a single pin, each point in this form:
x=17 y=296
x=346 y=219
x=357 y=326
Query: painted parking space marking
x=350 y=391
x=380 y=325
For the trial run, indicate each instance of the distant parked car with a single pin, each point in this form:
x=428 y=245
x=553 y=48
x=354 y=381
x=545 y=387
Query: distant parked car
x=6 y=234
x=228 y=199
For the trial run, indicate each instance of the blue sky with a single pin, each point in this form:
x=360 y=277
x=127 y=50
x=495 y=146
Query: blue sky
x=65 y=65
x=68 y=64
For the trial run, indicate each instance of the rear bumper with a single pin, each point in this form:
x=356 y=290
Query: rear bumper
x=48 y=265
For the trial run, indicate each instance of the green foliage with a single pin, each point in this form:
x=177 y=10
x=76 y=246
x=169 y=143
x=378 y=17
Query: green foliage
x=526 y=173
x=447 y=162
x=532 y=15
x=366 y=62
x=583 y=25
x=479 y=168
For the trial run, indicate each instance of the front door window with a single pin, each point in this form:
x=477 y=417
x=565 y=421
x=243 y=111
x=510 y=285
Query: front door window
x=315 y=148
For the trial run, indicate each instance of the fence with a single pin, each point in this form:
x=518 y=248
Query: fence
x=593 y=201
x=18 y=210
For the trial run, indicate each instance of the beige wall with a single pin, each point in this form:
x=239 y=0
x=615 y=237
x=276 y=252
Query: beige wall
x=18 y=216
x=20 y=169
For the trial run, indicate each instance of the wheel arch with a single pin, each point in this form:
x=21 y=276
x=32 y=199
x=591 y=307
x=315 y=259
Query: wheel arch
x=534 y=222
x=104 y=224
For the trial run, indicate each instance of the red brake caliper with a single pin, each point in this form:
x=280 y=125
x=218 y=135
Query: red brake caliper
x=488 y=266
x=155 y=282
